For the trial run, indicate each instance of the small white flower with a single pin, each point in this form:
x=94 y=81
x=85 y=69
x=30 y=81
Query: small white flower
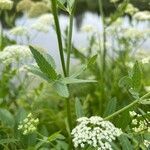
x=134 y=121
x=132 y=113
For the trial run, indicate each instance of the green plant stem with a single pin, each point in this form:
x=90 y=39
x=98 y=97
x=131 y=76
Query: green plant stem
x=69 y=37
x=103 y=53
x=1 y=38
x=103 y=33
x=66 y=72
x=127 y=107
x=59 y=38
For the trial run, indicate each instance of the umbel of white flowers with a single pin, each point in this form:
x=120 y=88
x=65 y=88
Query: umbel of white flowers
x=94 y=132
x=29 y=124
x=13 y=52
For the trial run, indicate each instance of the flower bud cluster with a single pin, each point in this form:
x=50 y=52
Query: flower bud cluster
x=29 y=124
x=139 y=123
x=43 y=23
x=33 y=8
x=94 y=132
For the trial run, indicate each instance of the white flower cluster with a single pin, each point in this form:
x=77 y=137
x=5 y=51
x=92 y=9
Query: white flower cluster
x=19 y=31
x=94 y=132
x=29 y=124
x=138 y=122
x=142 y=15
x=34 y=9
x=134 y=33
x=147 y=143
x=14 y=52
x=6 y=4
x=43 y=23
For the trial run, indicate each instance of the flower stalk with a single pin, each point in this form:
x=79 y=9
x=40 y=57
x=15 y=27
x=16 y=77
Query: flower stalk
x=127 y=107
x=69 y=37
x=58 y=31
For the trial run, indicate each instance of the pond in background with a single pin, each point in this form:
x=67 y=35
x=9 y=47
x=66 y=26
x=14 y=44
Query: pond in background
x=87 y=12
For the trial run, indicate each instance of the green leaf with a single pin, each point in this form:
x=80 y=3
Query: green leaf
x=20 y=115
x=49 y=59
x=80 y=71
x=120 y=11
x=78 y=108
x=54 y=136
x=136 y=76
x=8 y=141
x=36 y=71
x=134 y=93
x=69 y=80
x=70 y=4
x=92 y=60
x=125 y=143
x=6 y=118
x=89 y=63
x=61 y=89
x=111 y=107
x=125 y=82
x=61 y=5
x=44 y=64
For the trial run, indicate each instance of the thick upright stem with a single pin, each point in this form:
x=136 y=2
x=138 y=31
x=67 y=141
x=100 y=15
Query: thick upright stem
x=127 y=107
x=104 y=52
x=58 y=31
x=103 y=34
x=69 y=47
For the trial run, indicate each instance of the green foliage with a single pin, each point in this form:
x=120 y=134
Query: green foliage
x=6 y=118
x=125 y=143
x=78 y=108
